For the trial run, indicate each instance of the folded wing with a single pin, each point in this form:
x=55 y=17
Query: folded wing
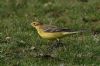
x=49 y=28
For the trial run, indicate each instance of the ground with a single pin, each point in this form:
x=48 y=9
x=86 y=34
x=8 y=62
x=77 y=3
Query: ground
x=20 y=45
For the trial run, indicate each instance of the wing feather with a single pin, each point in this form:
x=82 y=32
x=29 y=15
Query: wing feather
x=49 y=28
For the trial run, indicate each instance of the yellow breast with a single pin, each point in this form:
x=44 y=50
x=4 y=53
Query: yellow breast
x=50 y=35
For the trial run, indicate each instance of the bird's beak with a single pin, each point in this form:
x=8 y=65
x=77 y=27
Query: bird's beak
x=31 y=23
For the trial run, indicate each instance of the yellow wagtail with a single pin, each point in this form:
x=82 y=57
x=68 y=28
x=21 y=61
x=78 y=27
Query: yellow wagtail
x=52 y=32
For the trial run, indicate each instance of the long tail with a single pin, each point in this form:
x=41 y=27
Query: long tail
x=74 y=32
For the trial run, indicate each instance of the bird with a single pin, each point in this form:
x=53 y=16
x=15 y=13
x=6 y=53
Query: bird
x=51 y=32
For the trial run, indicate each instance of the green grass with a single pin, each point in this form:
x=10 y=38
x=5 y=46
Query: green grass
x=17 y=36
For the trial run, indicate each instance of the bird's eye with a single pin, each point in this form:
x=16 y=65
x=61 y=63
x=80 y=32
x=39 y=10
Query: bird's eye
x=35 y=24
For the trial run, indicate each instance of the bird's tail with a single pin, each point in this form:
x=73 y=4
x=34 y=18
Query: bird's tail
x=74 y=32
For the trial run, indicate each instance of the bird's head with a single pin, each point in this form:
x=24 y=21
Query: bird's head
x=36 y=24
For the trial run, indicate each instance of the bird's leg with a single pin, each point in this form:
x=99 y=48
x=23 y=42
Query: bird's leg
x=58 y=43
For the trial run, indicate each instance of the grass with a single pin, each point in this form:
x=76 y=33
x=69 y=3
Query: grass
x=18 y=38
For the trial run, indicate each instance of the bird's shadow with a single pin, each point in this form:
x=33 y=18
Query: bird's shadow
x=46 y=57
x=48 y=53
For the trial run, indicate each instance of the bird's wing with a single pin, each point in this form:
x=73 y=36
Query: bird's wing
x=49 y=28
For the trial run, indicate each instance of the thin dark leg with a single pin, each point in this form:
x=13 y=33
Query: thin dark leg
x=58 y=43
